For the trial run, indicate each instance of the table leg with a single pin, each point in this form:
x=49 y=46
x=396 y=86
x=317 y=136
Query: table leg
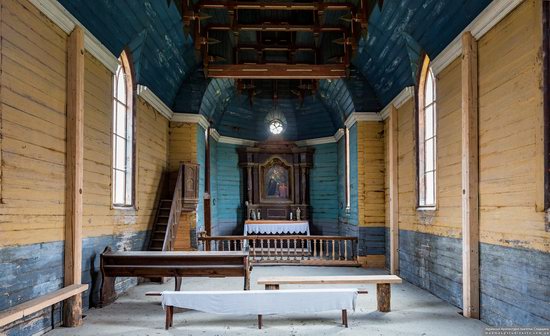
x=383 y=296
x=168 y=323
x=177 y=284
x=259 y=321
x=345 y=318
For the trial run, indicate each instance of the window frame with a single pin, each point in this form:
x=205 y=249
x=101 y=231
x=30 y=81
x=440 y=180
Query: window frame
x=125 y=64
x=425 y=73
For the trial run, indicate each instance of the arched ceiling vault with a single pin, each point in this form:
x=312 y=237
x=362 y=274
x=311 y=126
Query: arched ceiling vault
x=165 y=60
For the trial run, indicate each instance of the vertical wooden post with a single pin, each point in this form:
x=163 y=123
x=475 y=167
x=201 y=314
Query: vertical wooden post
x=393 y=191
x=72 y=309
x=470 y=178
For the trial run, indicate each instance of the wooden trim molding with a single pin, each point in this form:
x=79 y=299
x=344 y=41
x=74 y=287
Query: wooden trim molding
x=546 y=107
x=393 y=190
x=74 y=171
x=361 y=116
x=487 y=19
x=191 y=118
x=470 y=178
x=153 y=100
x=67 y=22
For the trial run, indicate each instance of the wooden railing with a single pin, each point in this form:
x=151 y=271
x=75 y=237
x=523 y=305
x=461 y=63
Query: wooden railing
x=175 y=213
x=291 y=249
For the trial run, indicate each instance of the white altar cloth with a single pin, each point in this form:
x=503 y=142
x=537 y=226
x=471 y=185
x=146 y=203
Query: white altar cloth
x=277 y=228
x=263 y=302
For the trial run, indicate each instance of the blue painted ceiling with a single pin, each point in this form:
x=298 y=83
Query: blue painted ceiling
x=386 y=62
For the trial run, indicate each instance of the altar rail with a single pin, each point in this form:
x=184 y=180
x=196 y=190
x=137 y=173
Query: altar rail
x=289 y=249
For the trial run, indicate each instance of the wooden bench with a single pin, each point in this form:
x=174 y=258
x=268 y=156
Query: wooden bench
x=253 y=302
x=154 y=264
x=383 y=282
x=32 y=306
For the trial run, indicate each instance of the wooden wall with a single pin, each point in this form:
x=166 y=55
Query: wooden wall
x=514 y=243
x=187 y=144
x=32 y=108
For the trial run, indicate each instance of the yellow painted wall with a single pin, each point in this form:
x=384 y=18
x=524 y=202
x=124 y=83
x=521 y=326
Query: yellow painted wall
x=510 y=128
x=183 y=147
x=32 y=92
x=510 y=101
x=370 y=173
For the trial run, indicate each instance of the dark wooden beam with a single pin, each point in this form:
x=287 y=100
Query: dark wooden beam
x=277 y=28
x=328 y=6
x=277 y=71
x=262 y=47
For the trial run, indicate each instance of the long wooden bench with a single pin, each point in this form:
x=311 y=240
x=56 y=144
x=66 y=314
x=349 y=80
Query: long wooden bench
x=260 y=302
x=32 y=306
x=153 y=264
x=383 y=283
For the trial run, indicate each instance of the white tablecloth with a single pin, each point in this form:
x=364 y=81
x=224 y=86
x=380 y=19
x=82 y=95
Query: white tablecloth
x=300 y=227
x=263 y=302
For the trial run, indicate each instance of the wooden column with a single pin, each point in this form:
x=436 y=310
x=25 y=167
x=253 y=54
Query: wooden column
x=470 y=178
x=72 y=309
x=393 y=192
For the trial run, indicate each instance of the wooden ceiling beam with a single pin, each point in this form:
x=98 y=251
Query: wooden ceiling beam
x=260 y=47
x=277 y=28
x=276 y=71
x=328 y=6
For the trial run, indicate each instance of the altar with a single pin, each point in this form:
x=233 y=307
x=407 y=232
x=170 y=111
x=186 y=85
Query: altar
x=276 y=227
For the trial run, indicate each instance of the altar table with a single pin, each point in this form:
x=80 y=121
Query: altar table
x=275 y=227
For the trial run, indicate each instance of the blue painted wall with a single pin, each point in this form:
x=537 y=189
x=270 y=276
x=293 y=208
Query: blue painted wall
x=348 y=220
x=33 y=270
x=323 y=180
x=513 y=281
x=229 y=199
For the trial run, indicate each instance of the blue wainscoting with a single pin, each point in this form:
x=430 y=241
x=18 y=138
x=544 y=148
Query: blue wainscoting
x=31 y=271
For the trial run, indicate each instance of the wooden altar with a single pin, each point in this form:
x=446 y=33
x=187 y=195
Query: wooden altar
x=276 y=180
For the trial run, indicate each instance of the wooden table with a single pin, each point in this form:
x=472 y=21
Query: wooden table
x=158 y=264
x=383 y=282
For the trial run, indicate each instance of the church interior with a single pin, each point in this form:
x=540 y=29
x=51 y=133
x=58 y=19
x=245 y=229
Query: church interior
x=241 y=167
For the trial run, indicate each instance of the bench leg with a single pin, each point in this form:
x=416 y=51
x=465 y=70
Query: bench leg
x=345 y=317
x=271 y=286
x=259 y=321
x=169 y=317
x=177 y=284
x=383 y=296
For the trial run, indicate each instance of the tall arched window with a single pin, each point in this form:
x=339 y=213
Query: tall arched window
x=427 y=136
x=123 y=135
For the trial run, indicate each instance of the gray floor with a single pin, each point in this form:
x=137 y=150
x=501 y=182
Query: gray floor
x=414 y=312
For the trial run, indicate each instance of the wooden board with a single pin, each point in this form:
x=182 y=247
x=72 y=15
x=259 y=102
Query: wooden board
x=30 y=307
x=333 y=280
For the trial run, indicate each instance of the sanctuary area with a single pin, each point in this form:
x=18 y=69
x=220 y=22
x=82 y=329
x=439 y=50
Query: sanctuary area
x=274 y=167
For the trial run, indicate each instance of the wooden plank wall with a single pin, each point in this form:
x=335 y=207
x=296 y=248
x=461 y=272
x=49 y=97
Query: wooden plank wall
x=514 y=242
x=324 y=189
x=370 y=191
x=187 y=144
x=32 y=103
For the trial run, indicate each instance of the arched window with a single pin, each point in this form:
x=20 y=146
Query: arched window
x=123 y=135
x=427 y=136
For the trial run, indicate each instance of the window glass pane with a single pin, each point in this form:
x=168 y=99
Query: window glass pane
x=434 y=90
x=428 y=122
x=429 y=155
x=121 y=88
x=120 y=120
x=430 y=192
x=120 y=153
x=428 y=90
x=119 y=186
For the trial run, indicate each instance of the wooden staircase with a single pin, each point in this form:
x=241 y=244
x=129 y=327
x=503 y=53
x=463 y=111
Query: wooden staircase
x=158 y=234
x=176 y=196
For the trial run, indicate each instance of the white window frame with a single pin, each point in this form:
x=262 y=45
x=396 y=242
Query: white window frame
x=427 y=138
x=123 y=151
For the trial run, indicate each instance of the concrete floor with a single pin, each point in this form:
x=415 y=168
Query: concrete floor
x=414 y=312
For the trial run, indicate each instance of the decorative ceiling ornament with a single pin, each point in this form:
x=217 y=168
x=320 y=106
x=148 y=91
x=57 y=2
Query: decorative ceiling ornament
x=276 y=121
